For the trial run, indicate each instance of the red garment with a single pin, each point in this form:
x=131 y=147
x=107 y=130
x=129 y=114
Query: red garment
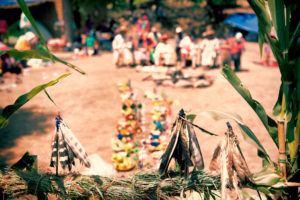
x=3 y=26
x=235 y=46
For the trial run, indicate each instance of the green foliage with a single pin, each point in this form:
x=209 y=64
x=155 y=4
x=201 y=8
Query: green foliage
x=35 y=53
x=283 y=16
x=222 y=2
x=27 y=13
x=248 y=135
x=10 y=109
x=267 y=121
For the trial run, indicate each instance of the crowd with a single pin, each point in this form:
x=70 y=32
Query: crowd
x=150 y=47
x=144 y=45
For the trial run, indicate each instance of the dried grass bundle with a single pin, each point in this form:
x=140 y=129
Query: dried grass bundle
x=144 y=185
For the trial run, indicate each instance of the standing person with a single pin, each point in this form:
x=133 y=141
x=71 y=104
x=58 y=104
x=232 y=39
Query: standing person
x=267 y=52
x=209 y=48
x=143 y=25
x=164 y=52
x=91 y=44
x=178 y=38
x=153 y=40
x=121 y=48
x=188 y=51
x=237 y=46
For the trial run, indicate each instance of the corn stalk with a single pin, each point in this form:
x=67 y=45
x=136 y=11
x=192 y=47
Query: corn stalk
x=279 y=25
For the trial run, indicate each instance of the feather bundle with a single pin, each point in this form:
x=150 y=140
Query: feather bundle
x=66 y=147
x=183 y=147
x=230 y=162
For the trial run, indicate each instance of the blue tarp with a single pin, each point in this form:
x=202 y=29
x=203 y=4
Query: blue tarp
x=14 y=2
x=244 y=21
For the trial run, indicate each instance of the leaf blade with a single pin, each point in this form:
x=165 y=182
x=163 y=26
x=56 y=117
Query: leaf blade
x=23 y=99
x=267 y=121
x=248 y=135
x=27 y=13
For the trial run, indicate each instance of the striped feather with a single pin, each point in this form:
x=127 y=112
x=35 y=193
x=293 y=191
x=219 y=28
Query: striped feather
x=54 y=154
x=66 y=155
x=74 y=145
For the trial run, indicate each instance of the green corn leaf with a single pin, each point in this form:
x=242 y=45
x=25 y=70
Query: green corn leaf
x=278 y=18
x=264 y=21
x=277 y=106
x=292 y=141
x=49 y=97
x=295 y=35
x=292 y=136
x=287 y=91
x=268 y=177
x=36 y=53
x=191 y=117
x=267 y=121
x=294 y=51
x=27 y=13
x=10 y=109
x=248 y=135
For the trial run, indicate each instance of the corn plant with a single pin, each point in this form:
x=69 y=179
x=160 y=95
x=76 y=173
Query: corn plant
x=279 y=24
x=35 y=53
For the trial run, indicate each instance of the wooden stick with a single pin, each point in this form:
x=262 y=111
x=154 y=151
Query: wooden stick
x=282 y=154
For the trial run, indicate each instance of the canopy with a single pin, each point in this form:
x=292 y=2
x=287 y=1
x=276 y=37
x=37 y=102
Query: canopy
x=244 y=21
x=14 y=3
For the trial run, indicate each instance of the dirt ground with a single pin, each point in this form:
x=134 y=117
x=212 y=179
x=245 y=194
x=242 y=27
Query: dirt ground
x=90 y=105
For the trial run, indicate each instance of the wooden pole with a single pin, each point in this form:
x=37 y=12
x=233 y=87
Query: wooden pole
x=282 y=154
x=57 y=150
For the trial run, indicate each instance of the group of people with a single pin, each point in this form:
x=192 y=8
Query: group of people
x=150 y=47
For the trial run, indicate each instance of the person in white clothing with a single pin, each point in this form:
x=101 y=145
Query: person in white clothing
x=188 y=51
x=209 y=48
x=122 y=54
x=164 y=53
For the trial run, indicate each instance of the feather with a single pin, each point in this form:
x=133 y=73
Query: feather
x=168 y=154
x=66 y=155
x=54 y=154
x=239 y=163
x=178 y=147
x=224 y=173
x=183 y=153
x=74 y=144
x=195 y=148
x=214 y=163
x=184 y=143
x=234 y=169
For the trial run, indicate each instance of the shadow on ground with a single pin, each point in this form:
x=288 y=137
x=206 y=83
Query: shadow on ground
x=23 y=122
